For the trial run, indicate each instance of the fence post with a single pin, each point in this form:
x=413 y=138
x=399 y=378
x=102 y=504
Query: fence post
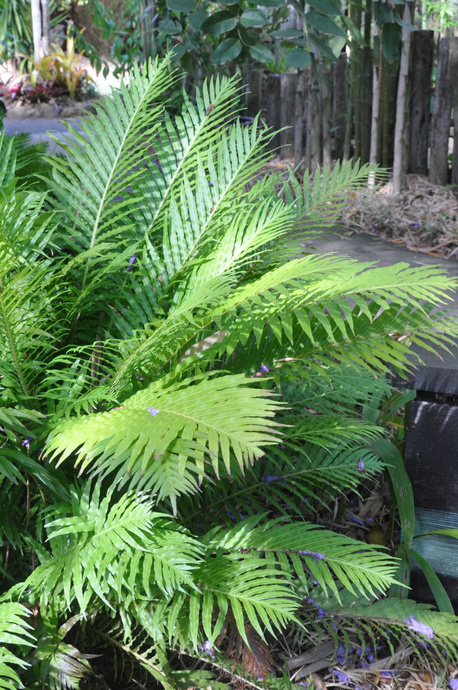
x=420 y=98
x=442 y=108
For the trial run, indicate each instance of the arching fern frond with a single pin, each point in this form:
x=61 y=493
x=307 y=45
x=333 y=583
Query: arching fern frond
x=14 y=632
x=113 y=549
x=193 y=424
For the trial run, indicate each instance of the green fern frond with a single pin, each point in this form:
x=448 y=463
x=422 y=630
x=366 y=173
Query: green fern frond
x=308 y=550
x=198 y=422
x=113 y=550
x=14 y=631
x=417 y=623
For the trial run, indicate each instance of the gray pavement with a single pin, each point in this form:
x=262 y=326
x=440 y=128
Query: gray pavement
x=40 y=129
x=365 y=247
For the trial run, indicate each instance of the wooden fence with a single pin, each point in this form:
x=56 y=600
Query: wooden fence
x=328 y=111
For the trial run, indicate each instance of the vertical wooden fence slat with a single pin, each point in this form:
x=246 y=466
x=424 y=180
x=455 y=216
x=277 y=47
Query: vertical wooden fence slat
x=300 y=124
x=421 y=68
x=273 y=100
x=326 y=112
x=442 y=108
x=288 y=85
x=339 y=104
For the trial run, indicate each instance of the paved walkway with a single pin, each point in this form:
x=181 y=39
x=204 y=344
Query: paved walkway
x=39 y=129
x=365 y=247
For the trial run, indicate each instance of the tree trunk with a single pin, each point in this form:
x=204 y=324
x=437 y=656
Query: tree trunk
x=455 y=141
x=366 y=85
x=420 y=99
x=45 y=27
x=36 y=28
x=440 y=126
x=376 y=73
x=355 y=75
x=399 y=130
x=314 y=131
x=41 y=28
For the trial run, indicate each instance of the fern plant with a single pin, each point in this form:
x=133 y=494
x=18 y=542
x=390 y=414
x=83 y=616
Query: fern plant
x=181 y=386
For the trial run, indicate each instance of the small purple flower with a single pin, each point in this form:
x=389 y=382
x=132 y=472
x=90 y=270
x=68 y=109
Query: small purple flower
x=354 y=518
x=268 y=478
x=262 y=370
x=153 y=412
x=321 y=613
x=419 y=627
x=416 y=225
x=207 y=648
x=341 y=654
x=131 y=262
x=386 y=674
x=341 y=676
x=26 y=443
x=453 y=683
x=316 y=556
x=361 y=466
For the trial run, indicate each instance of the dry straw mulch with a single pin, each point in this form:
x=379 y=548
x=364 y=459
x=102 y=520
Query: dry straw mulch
x=424 y=217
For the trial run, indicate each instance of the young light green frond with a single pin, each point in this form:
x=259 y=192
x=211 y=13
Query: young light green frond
x=245 y=588
x=104 y=161
x=308 y=550
x=199 y=423
x=319 y=202
x=110 y=550
x=28 y=327
x=158 y=345
x=14 y=631
x=181 y=142
x=331 y=431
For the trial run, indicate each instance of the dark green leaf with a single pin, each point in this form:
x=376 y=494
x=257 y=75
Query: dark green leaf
x=322 y=46
x=355 y=33
x=287 y=33
x=271 y=3
x=247 y=37
x=391 y=40
x=219 y=23
x=383 y=14
x=336 y=43
x=405 y=25
x=324 y=24
x=169 y=26
x=228 y=50
x=437 y=588
x=298 y=58
x=261 y=53
x=181 y=5
x=197 y=18
x=254 y=18
x=326 y=6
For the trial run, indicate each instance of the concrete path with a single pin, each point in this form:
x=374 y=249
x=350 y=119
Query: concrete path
x=365 y=247
x=39 y=129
